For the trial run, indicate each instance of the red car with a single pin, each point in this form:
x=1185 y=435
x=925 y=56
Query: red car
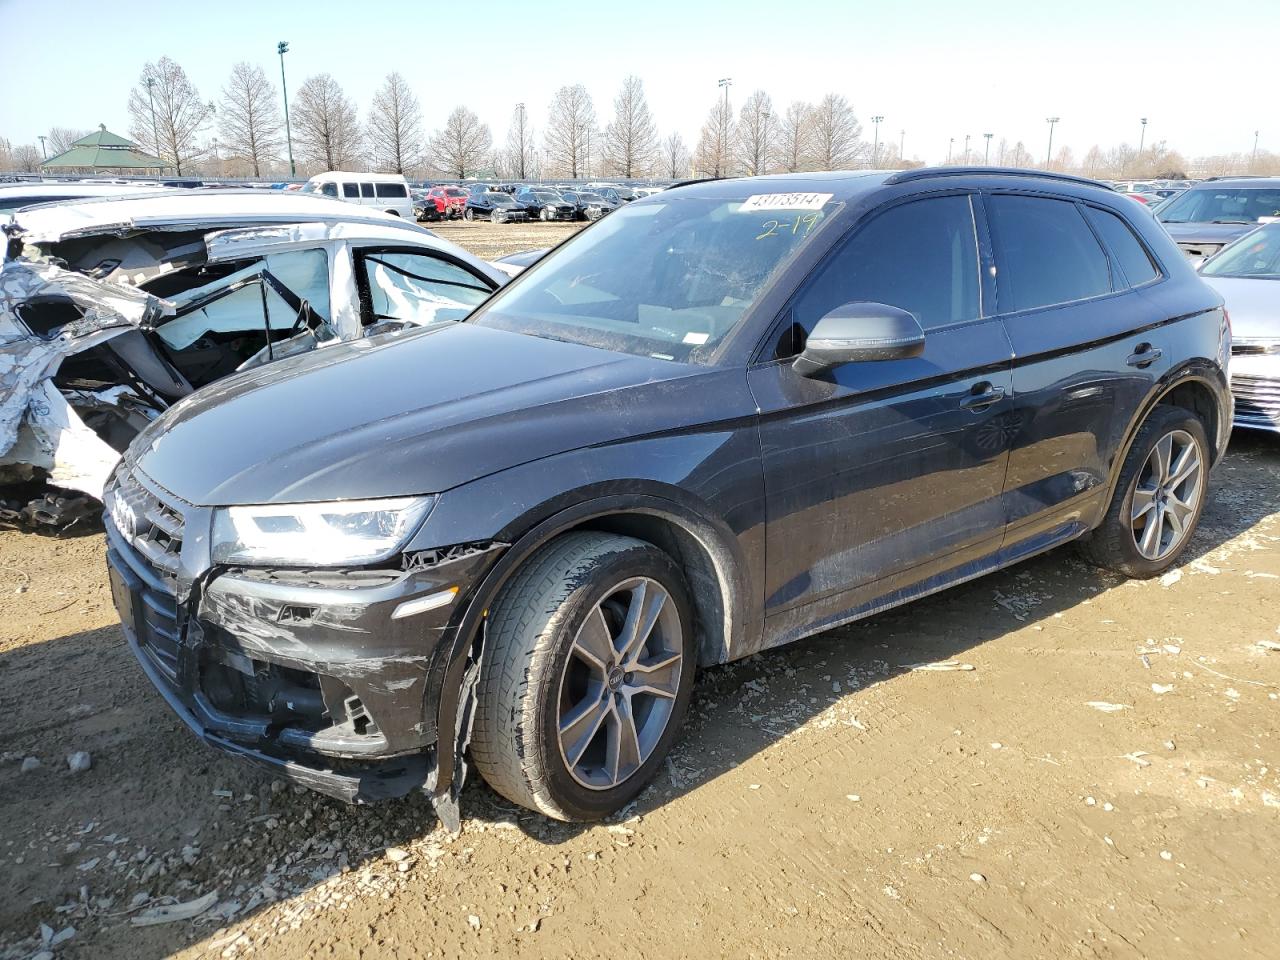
x=443 y=203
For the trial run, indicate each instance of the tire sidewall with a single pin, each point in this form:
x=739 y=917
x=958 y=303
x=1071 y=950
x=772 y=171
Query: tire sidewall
x=574 y=800
x=1138 y=455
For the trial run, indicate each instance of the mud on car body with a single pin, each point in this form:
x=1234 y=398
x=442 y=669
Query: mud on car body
x=723 y=418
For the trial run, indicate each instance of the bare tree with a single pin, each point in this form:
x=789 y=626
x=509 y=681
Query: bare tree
x=325 y=129
x=675 y=157
x=249 y=117
x=835 y=133
x=60 y=139
x=395 y=127
x=569 y=125
x=756 y=133
x=630 y=140
x=463 y=144
x=520 y=152
x=794 y=136
x=714 y=156
x=179 y=114
x=1018 y=155
x=25 y=158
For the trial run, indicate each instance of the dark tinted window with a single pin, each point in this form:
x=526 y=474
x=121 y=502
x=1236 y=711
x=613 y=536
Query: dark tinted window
x=351 y=190
x=1046 y=253
x=391 y=190
x=329 y=189
x=921 y=256
x=366 y=189
x=1127 y=248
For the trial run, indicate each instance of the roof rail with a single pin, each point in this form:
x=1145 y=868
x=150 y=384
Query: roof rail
x=924 y=173
x=1238 y=176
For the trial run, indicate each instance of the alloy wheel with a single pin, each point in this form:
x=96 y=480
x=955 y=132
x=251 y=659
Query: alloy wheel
x=619 y=683
x=1167 y=495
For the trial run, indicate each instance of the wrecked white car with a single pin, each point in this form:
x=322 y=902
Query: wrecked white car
x=112 y=310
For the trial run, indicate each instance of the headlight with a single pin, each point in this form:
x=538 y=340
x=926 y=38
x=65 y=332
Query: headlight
x=317 y=534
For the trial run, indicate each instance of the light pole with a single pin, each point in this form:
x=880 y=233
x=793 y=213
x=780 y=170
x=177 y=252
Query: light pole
x=1052 y=121
x=43 y=151
x=875 y=150
x=155 y=136
x=902 y=144
x=966 y=148
x=723 y=153
x=282 y=48
x=950 y=143
x=1253 y=157
x=1142 y=137
x=520 y=110
x=986 y=156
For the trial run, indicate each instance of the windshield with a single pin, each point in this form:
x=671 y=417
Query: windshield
x=1255 y=255
x=590 y=198
x=1227 y=205
x=669 y=280
x=626 y=193
x=546 y=196
x=455 y=192
x=500 y=199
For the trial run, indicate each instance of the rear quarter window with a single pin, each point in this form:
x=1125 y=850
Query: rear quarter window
x=392 y=191
x=1125 y=246
x=1046 y=253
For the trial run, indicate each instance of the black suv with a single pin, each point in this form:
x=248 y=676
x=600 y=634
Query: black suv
x=724 y=418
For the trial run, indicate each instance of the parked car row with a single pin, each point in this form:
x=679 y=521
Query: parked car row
x=518 y=202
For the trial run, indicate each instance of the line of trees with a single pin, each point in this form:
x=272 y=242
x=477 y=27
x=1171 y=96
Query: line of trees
x=242 y=133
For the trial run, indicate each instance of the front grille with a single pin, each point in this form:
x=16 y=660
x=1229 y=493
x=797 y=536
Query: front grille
x=147 y=535
x=1257 y=400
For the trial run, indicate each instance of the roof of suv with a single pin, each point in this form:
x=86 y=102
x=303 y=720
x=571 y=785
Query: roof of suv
x=847 y=184
x=1217 y=183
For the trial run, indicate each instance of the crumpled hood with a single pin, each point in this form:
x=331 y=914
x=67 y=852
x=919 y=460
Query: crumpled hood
x=410 y=413
x=1254 y=306
x=1208 y=232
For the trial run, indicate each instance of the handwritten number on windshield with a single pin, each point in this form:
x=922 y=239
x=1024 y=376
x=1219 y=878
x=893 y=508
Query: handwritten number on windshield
x=800 y=226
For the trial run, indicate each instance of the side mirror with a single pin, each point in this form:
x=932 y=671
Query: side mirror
x=860 y=331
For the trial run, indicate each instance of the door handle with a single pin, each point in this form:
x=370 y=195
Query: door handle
x=1144 y=356
x=982 y=396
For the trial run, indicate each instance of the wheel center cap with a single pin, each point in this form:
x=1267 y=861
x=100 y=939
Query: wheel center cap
x=615 y=678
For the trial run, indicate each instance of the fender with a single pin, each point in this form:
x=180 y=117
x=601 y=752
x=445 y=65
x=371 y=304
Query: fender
x=1193 y=371
x=719 y=544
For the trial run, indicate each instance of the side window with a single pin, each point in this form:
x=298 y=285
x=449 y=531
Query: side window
x=390 y=190
x=921 y=256
x=1127 y=248
x=350 y=190
x=419 y=287
x=329 y=189
x=1045 y=253
x=366 y=189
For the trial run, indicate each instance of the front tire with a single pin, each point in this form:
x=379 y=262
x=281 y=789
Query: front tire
x=1159 y=497
x=468 y=214
x=587 y=676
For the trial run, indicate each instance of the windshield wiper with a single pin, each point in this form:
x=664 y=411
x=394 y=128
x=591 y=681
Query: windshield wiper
x=1245 y=222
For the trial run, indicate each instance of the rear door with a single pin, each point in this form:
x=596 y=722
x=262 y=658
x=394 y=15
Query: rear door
x=880 y=474
x=1086 y=352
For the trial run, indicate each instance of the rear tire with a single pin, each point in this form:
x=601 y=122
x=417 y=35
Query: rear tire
x=468 y=214
x=1159 y=497
x=544 y=696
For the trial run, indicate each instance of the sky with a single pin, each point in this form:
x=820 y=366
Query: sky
x=936 y=69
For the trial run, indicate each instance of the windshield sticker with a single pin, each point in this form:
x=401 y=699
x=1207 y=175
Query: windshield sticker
x=784 y=201
x=698 y=339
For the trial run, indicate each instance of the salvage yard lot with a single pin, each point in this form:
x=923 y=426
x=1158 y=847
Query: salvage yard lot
x=1098 y=774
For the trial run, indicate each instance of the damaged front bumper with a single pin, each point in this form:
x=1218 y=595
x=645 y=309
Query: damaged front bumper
x=329 y=678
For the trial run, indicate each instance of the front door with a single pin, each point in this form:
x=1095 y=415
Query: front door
x=881 y=474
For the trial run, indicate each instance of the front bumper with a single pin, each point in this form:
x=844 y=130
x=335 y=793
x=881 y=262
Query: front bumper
x=308 y=673
x=1255 y=383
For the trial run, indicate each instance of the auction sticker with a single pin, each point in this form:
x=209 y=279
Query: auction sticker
x=784 y=201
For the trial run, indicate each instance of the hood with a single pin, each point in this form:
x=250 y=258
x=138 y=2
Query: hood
x=1207 y=232
x=411 y=413
x=1254 y=306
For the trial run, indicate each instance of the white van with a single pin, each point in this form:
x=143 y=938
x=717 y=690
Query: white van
x=388 y=192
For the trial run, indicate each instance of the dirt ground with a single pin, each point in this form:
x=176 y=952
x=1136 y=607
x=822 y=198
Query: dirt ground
x=1103 y=782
